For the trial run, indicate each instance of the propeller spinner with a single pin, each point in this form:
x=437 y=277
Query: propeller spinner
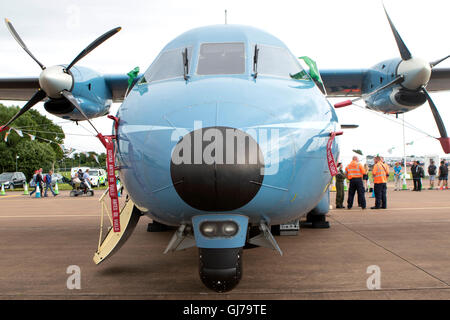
x=55 y=82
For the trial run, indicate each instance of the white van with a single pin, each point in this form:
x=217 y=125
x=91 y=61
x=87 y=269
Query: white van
x=98 y=177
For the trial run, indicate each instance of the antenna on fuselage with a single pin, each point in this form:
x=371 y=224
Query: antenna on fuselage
x=225 y=16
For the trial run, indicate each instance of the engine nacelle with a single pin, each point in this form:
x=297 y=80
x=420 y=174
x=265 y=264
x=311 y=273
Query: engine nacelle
x=91 y=92
x=396 y=99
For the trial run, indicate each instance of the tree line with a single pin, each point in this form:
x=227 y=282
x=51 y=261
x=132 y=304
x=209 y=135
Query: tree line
x=42 y=152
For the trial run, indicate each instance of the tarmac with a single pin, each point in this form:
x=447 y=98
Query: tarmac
x=409 y=242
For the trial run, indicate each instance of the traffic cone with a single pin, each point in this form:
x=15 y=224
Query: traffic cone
x=25 y=189
x=2 y=192
x=404 y=186
x=345 y=185
x=38 y=190
x=56 y=188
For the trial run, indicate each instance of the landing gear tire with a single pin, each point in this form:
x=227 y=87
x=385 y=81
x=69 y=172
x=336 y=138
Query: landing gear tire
x=220 y=269
x=155 y=226
x=315 y=221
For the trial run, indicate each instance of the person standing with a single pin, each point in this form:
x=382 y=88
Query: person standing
x=380 y=173
x=48 y=184
x=414 y=174
x=397 y=175
x=443 y=175
x=421 y=174
x=417 y=173
x=340 y=177
x=432 y=173
x=354 y=172
x=366 y=177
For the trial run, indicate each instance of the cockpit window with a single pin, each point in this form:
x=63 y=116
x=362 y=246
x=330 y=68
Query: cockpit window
x=277 y=62
x=221 y=58
x=168 y=65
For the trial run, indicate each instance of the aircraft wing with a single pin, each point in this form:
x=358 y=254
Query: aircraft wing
x=338 y=82
x=350 y=82
x=21 y=89
x=18 y=88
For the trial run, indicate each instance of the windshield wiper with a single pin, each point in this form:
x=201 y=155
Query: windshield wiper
x=185 y=63
x=255 y=62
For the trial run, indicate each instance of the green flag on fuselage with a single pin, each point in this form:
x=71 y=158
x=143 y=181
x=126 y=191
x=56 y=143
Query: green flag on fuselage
x=132 y=75
x=313 y=70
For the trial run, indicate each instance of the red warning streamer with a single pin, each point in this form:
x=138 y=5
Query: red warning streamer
x=330 y=159
x=108 y=142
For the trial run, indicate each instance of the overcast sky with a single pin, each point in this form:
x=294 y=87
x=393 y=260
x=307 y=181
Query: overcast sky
x=337 y=34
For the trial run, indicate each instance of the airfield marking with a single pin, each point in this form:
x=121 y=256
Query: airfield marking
x=16 y=195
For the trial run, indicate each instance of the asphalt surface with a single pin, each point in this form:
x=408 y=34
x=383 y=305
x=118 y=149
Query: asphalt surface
x=409 y=242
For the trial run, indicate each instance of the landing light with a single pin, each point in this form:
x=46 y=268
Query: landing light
x=213 y=229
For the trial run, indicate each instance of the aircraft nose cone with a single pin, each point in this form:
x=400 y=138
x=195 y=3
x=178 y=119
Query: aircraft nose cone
x=217 y=168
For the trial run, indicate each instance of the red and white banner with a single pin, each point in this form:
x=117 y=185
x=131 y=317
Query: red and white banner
x=330 y=159
x=110 y=165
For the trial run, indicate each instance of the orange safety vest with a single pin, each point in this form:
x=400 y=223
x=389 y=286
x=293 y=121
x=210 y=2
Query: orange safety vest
x=380 y=172
x=354 y=170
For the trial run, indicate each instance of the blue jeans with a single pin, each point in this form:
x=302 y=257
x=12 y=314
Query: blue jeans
x=48 y=185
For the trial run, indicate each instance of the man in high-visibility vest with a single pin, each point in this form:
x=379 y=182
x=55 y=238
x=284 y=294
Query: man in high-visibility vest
x=380 y=173
x=354 y=172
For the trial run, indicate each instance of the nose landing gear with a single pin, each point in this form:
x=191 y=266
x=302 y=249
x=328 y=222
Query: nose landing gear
x=220 y=269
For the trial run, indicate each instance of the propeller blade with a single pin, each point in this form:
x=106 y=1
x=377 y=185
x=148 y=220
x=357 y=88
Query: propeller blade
x=435 y=63
x=38 y=96
x=404 y=52
x=69 y=96
x=94 y=45
x=444 y=139
x=20 y=42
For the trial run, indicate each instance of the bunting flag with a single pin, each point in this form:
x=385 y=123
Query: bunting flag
x=410 y=143
x=68 y=151
x=6 y=135
x=19 y=132
x=390 y=150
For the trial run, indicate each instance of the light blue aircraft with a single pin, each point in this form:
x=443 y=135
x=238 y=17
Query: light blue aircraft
x=226 y=135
